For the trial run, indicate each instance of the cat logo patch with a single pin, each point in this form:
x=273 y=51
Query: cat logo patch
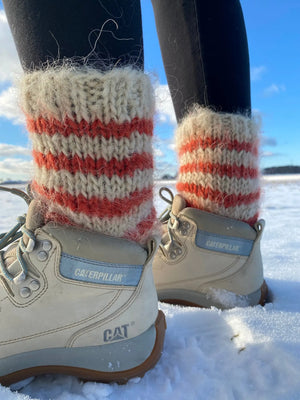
x=118 y=333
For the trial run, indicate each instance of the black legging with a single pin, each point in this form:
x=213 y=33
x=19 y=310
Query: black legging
x=205 y=53
x=203 y=43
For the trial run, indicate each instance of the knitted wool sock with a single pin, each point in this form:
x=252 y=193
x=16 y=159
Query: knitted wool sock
x=92 y=148
x=218 y=157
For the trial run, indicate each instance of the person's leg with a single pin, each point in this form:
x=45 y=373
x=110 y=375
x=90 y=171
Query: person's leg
x=207 y=65
x=97 y=33
x=91 y=129
x=89 y=109
x=205 y=53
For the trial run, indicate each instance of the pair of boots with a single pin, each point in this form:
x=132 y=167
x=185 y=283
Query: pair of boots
x=77 y=290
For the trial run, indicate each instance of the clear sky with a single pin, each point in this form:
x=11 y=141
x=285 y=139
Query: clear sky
x=273 y=28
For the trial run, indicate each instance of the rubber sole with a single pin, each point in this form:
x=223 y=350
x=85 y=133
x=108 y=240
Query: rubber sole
x=86 y=374
x=204 y=302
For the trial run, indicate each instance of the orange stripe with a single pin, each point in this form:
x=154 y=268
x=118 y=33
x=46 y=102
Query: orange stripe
x=216 y=196
x=230 y=170
x=252 y=220
x=59 y=218
x=94 y=206
x=224 y=143
x=93 y=129
x=96 y=167
x=142 y=227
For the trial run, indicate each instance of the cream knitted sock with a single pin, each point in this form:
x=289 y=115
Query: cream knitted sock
x=92 y=148
x=219 y=165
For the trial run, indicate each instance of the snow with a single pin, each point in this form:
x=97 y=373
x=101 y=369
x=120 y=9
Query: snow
x=243 y=353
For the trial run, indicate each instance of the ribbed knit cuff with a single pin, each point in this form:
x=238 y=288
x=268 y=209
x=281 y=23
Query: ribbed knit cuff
x=92 y=148
x=219 y=163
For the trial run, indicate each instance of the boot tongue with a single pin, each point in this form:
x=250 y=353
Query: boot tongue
x=34 y=218
x=178 y=204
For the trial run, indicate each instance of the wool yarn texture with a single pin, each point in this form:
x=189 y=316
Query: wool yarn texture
x=219 y=163
x=92 y=148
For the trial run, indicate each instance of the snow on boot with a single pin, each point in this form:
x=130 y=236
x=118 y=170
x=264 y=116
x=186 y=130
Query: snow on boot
x=208 y=260
x=76 y=302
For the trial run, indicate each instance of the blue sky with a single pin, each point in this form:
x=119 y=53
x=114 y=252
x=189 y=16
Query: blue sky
x=274 y=42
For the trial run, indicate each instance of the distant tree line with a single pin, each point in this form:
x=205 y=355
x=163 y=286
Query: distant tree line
x=168 y=177
x=287 y=169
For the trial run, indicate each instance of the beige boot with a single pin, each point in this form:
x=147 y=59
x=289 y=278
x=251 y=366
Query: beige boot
x=208 y=260
x=76 y=302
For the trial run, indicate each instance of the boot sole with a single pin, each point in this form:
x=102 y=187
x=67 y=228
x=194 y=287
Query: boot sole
x=132 y=351
x=184 y=298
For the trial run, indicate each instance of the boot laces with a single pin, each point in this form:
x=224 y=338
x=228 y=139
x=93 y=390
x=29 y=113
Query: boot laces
x=19 y=231
x=167 y=217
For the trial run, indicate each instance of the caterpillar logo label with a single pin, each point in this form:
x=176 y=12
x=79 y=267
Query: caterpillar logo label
x=223 y=246
x=94 y=276
x=102 y=273
x=118 y=333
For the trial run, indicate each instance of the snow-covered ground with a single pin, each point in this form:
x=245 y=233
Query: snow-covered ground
x=251 y=353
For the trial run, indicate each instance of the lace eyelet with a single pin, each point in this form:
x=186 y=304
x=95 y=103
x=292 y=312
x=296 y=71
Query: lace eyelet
x=173 y=255
x=47 y=245
x=34 y=285
x=25 y=292
x=178 y=251
x=186 y=225
x=42 y=255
